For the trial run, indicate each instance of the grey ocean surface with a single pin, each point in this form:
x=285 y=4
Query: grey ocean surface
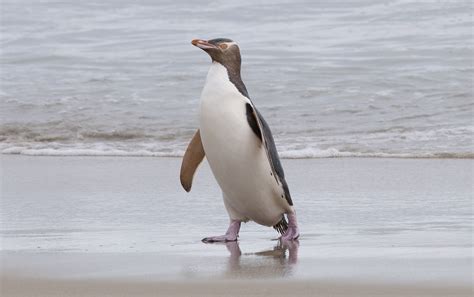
x=332 y=78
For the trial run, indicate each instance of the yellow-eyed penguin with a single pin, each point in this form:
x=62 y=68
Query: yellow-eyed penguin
x=239 y=147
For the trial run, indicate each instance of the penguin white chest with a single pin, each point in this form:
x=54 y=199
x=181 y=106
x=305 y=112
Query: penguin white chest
x=235 y=154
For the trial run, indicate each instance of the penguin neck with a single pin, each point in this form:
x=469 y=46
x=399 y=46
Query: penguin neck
x=233 y=73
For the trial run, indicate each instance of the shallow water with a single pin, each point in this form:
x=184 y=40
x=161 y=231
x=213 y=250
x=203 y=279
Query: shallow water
x=129 y=217
x=138 y=203
x=353 y=78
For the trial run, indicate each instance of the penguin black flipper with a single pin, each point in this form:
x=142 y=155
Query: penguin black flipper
x=192 y=158
x=261 y=129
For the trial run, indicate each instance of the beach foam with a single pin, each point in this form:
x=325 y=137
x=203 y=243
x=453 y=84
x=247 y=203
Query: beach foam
x=306 y=153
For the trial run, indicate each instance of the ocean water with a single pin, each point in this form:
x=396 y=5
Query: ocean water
x=332 y=78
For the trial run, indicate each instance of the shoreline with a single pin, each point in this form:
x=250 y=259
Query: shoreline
x=114 y=226
x=470 y=156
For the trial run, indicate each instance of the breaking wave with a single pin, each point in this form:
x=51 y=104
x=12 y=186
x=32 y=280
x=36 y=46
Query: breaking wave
x=69 y=139
x=73 y=140
x=307 y=153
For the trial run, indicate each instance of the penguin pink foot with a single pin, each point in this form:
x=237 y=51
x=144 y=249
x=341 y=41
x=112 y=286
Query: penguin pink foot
x=292 y=232
x=231 y=234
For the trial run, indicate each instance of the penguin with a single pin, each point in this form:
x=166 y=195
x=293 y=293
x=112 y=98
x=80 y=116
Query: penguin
x=239 y=147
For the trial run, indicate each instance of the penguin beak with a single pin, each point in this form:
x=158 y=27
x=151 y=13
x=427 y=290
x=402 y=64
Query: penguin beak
x=202 y=44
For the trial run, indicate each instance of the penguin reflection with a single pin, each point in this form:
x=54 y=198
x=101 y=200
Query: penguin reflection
x=264 y=264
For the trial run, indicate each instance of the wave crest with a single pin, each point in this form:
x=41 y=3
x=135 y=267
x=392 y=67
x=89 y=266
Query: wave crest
x=307 y=153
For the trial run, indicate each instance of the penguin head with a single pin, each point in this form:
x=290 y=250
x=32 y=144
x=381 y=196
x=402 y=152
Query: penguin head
x=222 y=50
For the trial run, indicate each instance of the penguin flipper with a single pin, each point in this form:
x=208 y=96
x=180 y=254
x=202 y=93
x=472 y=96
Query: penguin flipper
x=261 y=129
x=192 y=158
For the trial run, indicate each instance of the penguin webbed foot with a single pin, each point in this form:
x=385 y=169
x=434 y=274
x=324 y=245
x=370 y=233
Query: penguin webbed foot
x=292 y=233
x=231 y=235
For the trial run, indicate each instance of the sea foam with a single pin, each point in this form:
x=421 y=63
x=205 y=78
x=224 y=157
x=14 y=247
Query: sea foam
x=306 y=153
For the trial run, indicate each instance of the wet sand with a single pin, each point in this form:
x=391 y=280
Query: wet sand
x=35 y=287
x=97 y=226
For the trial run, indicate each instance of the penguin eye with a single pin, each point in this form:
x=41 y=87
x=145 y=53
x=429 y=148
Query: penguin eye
x=223 y=46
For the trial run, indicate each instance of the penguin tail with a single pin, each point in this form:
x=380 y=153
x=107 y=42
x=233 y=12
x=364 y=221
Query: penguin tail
x=281 y=226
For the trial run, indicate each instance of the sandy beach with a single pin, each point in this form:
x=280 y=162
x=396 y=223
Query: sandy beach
x=34 y=287
x=114 y=226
